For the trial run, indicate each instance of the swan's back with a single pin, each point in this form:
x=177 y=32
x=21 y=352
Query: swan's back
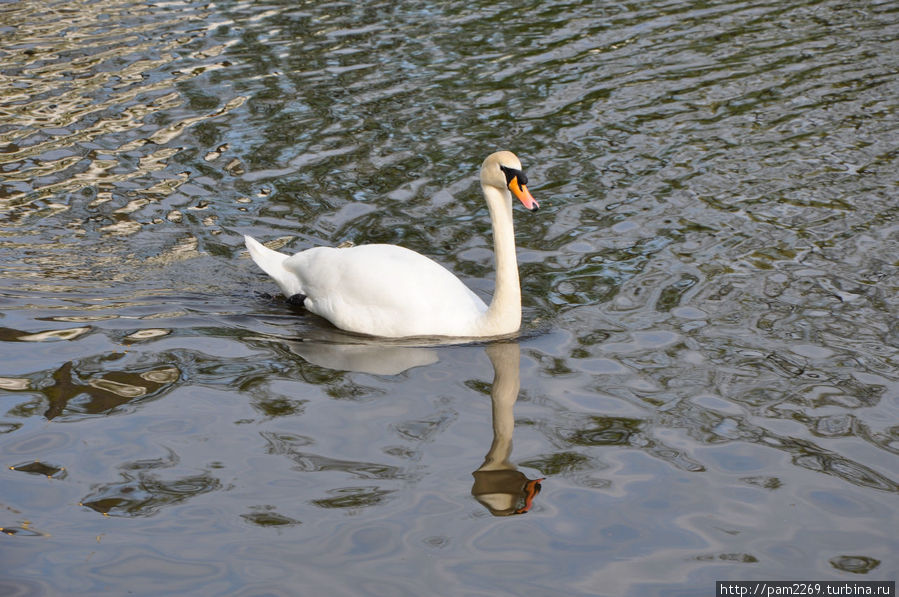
x=385 y=290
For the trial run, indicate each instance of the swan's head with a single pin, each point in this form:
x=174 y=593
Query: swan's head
x=503 y=171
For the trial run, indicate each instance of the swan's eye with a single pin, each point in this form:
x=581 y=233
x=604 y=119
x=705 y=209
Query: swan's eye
x=512 y=174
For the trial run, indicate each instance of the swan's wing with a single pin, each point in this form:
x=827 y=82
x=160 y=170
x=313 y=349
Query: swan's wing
x=385 y=290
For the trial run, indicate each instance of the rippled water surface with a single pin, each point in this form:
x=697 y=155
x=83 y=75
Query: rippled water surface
x=709 y=366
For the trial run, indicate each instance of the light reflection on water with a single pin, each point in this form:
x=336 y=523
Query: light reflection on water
x=708 y=370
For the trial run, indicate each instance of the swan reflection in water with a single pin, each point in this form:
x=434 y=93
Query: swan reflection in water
x=498 y=485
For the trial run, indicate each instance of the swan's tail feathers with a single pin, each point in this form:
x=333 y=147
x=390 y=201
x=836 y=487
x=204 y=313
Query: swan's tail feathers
x=272 y=263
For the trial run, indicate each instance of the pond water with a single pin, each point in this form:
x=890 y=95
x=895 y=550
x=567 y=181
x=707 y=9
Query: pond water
x=707 y=380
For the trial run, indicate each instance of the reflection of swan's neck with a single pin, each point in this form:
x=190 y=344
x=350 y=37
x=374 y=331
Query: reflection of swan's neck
x=497 y=484
x=505 y=359
x=504 y=314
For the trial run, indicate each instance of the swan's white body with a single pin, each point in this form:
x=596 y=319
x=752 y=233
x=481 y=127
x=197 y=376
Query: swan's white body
x=391 y=291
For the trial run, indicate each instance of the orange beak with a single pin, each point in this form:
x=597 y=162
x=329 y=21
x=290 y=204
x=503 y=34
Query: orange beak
x=521 y=191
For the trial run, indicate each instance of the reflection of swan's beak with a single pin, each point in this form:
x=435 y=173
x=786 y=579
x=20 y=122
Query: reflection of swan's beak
x=531 y=489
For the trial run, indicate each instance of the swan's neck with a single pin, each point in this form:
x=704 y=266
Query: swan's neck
x=504 y=313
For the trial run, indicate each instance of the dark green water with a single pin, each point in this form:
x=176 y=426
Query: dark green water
x=709 y=367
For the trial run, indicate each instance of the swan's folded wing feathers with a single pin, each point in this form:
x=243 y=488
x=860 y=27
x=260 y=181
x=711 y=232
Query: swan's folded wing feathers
x=384 y=290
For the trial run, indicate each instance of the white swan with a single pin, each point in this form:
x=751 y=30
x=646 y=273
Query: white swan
x=390 y=291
